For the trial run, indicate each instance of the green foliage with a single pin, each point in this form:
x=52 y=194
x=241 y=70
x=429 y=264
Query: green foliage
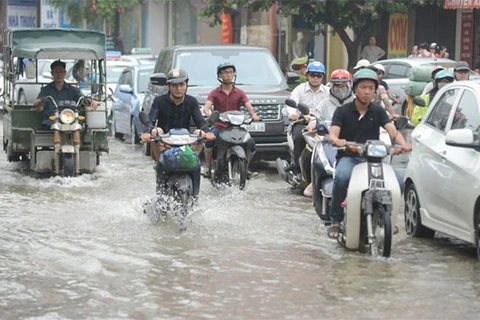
x=91 y=10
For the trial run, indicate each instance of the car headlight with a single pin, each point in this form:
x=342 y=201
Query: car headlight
x=236 y=119
x=67 y=116
x=377 y=150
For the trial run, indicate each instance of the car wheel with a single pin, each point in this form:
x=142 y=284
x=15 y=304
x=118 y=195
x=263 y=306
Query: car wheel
x=413 y=220
x=22 y=98
x=477 y=233
x=113 y=130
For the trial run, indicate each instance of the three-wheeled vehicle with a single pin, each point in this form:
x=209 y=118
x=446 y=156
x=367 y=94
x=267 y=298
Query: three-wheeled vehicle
x=79 y=133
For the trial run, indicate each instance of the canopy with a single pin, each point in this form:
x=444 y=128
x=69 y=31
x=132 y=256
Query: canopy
x=56 y=43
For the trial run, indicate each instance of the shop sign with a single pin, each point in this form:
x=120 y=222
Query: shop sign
x=466 y=37
x=461 y=4
x=397 y=35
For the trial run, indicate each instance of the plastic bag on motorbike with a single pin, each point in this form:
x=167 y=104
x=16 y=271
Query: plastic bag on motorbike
x=179 y=159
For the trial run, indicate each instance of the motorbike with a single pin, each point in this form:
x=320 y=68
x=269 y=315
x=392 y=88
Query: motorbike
x=322 y=171
x=373 y=200
x=66 y=129
x=232 y=150
x=180 y=162
x=285 y=167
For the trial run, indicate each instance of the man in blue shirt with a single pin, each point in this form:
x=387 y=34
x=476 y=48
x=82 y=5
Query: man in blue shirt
x=59 y=90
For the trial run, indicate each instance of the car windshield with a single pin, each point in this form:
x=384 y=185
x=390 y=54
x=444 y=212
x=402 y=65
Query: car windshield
x=143 y=79
x=114 y=72
x=253 y=67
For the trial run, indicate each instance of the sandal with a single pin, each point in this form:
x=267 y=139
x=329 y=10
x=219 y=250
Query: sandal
x=334 y=231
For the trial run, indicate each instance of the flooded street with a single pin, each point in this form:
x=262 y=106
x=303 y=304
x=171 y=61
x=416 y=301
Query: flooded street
x=82 y=248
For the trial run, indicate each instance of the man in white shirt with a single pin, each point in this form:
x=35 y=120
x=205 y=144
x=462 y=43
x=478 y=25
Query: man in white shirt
x=311 y=93
x=372 y=52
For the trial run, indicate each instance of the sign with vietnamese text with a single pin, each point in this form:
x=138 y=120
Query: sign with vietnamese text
x=21 y=14
x=49 y=17
x=397 y=35
x=461 y=4
x=466 y=37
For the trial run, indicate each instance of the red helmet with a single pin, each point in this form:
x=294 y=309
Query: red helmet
x=340 y=76
x=436 y=69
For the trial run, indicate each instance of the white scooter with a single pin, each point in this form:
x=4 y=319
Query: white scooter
x=373 y=200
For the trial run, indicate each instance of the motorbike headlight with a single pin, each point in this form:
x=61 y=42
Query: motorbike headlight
x=377 y=150
x=236 y=119
x=67 y=116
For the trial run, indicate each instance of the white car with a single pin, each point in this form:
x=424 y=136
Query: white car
x=442 y=180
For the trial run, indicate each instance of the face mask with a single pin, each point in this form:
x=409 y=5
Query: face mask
x=340 y=93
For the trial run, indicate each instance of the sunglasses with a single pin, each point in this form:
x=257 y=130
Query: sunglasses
x=462 y=71
x=316 y=75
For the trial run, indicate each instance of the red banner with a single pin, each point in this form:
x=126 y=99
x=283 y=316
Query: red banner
x=466 y=47
x=227 y=31
x=461 y=4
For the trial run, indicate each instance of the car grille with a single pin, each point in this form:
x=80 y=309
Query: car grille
x=267 y=112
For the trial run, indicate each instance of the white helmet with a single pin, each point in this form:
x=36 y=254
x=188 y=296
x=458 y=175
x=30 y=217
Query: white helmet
x=379 y=67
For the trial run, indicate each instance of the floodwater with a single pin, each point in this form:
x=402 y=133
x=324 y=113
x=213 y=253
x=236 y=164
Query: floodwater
x=82 y=248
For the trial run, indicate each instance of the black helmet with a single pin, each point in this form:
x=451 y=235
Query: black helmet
x=177 y=76
x=225 y=65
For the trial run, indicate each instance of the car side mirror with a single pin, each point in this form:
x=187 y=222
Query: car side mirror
x=461 y=138
x=125 y=88
x=144 y=118
x=419 y=101
x=158 y=79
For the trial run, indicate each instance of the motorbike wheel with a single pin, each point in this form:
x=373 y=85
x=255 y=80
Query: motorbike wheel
x=477 y=233
x=239 y=172
x=382 y=230
x=318 y=204
x=135 y=139
x=68 y=165
x=413 y=220
x=183 y=209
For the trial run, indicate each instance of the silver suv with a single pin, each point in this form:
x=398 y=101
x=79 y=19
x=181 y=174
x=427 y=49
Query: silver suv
x=258 y=74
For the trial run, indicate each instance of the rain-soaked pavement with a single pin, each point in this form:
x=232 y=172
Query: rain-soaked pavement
x=81 y=248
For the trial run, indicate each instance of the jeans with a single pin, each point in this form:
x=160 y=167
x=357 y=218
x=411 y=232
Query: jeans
x=216 y=131
x=343 y=171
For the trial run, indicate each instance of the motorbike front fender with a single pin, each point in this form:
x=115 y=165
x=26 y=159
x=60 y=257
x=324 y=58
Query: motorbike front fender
x=182 y=182
x=238 y=151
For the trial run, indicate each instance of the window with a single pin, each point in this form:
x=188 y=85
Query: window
x=438 y=118
x=467 y=114
x=397 y=71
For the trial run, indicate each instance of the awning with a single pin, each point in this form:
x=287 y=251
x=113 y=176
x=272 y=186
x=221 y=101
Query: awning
x=461 y=4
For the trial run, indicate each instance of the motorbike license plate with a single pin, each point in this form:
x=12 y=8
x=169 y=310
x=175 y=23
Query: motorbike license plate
x=256 y=127
x=68 y=149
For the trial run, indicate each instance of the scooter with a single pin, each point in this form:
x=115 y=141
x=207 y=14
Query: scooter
x=180 y=162
x=285 y=167
x=232 y=150
x=66 y=129
x=373 y=200
x=323 y=171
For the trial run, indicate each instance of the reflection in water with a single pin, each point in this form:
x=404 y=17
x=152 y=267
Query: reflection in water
x=82 y=248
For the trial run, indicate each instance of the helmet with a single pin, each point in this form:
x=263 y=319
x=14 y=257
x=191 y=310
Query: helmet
x=443 y=74
x=316 y=66
x=365 y=74
x=433 y=45
x=379 y=67
x=435 y=70
x=361 y=64
x=177 y=76
x=299 y=63
x=225 y=65
x=340 y=76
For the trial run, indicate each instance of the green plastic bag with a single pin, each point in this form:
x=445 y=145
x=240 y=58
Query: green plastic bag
x=179 y=159
x=187 y=158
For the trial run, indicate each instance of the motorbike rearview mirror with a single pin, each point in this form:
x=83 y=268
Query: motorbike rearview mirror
x=214 y=117
x=291 y=103
x=419 y=101
x=303 y=108
x=144 y=118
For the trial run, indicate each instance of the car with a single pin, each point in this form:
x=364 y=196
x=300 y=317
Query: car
x=1 y=91
x=442 y=179
x=397 y=71
x=128 y=98
x=140 y=56
x=258 y=74
x=115 y=67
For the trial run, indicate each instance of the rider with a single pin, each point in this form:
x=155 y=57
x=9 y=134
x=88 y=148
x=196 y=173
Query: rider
x=340 y=93
x=442 y=78
x=226 y=97
x=310 y=93
x=175 y=109
x=357 y=121
x=59 y=90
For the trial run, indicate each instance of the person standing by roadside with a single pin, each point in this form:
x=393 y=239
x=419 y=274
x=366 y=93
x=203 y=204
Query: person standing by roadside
x=372 y=52
x=444 y=52
x=414 y=53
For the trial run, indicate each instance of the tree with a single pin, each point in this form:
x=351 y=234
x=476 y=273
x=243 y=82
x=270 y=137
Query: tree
x=362 y=16
x=94 y=11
